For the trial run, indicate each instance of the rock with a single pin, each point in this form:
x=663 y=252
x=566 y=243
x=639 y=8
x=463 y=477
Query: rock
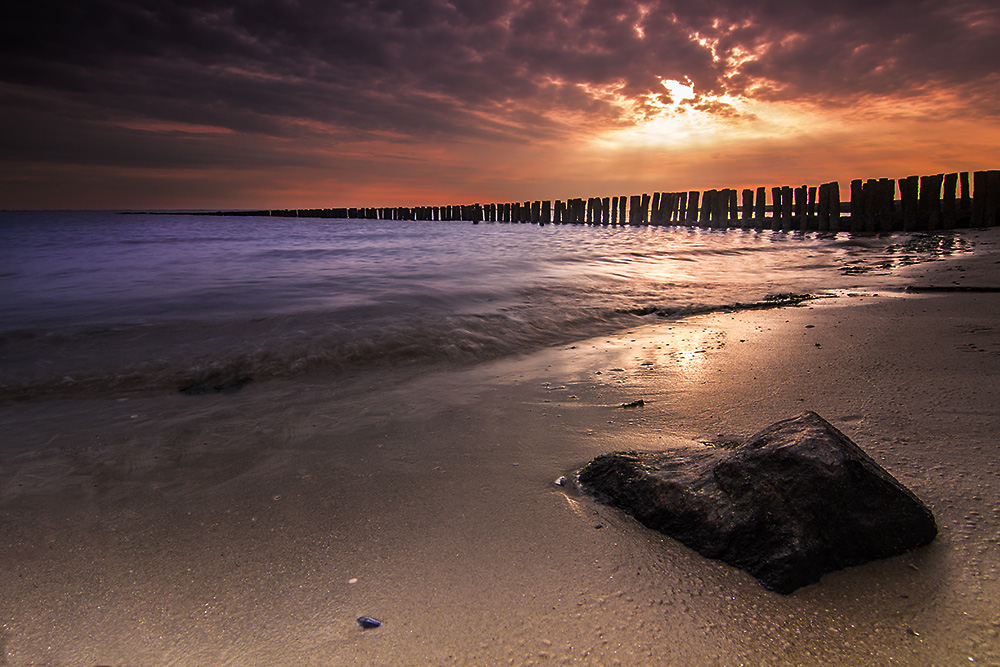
x=796 y=501
x=367 y=622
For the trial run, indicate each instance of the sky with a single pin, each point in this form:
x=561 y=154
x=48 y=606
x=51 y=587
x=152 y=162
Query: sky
x=328 y=103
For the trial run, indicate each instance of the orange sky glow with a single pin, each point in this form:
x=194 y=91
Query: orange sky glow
x=485 y=103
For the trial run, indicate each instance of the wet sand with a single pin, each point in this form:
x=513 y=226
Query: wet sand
x=254 y=528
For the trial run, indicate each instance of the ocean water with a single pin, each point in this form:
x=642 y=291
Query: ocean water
x=109 y=301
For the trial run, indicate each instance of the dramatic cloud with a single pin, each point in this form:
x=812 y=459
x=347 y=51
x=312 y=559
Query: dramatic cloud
x=473 y=98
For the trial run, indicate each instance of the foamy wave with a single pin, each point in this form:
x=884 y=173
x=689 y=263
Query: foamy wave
x=226 y=358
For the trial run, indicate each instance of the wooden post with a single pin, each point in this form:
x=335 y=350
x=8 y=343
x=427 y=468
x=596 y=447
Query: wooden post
x=835 y=207
x=965 y=203
x=949 y=202
x=979 y=179
x=986 y=198
x=775 y=222
x=614 y=210
x=908 y=201
x=720 y=200
x=993 y=198
x=870 y=197
x=644 y=210
x=682 y=199
x=811 y=210
x=692 y=208
x=888 y=204
x=930 y=200
x=760 y=208
x=654 y=213
x=705 y=217
x=936 y=181
x=857 y=206
x=746 y=222
x=786 y=208
x=823 y=219
x=801 y=207
x=924 y=204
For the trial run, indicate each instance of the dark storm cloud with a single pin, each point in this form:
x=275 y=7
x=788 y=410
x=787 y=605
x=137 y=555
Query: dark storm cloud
x=422 y=70
x=849 y=50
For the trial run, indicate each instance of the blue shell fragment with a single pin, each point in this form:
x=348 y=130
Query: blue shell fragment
x=367 y=622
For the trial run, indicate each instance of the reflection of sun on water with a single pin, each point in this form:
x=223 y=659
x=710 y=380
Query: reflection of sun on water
x=688 y=353
x=689 y=360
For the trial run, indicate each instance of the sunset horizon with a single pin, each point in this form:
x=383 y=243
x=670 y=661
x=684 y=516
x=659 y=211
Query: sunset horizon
x=254 y=106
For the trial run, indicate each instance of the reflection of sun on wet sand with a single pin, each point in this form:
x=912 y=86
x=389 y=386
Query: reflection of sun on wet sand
x=256 y=528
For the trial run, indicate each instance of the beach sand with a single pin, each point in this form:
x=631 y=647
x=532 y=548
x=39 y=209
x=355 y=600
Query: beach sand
x=254 y=528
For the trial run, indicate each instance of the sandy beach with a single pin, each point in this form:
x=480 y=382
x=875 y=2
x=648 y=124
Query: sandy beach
x=254 y=528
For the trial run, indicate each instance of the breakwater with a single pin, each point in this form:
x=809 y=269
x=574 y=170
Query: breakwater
x=914 y=203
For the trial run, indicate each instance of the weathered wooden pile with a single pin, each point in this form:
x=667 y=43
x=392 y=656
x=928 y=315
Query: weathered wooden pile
x=923 y=203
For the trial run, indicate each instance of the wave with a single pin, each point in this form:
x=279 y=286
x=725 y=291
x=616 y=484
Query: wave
x=223 y=358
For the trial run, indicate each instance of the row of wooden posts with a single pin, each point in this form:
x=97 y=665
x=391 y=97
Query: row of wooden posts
x=923 y=203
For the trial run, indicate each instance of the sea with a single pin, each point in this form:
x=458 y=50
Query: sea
x=102 y=301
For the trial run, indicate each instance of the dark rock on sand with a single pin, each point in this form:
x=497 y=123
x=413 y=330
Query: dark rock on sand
x=797 y=500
